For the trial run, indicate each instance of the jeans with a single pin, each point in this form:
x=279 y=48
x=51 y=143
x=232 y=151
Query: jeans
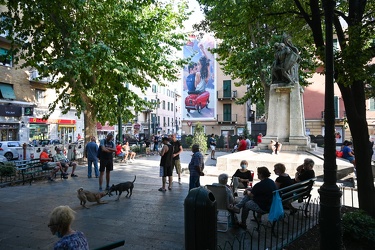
x=96 y=169
x=194 y=182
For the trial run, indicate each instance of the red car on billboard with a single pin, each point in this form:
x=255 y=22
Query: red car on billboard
x=197 y=101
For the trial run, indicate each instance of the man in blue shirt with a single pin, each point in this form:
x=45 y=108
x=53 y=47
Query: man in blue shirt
x=92 y=157
x=196 y=167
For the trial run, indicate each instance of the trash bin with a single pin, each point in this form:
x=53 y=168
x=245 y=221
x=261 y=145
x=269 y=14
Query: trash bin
x=200 y=220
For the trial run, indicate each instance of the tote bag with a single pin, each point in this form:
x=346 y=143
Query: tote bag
x=277 y=211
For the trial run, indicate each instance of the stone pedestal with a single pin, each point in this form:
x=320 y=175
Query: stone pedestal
x=286 y=119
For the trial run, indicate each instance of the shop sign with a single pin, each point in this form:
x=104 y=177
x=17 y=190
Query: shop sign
x=10 y=111
x=50 y=121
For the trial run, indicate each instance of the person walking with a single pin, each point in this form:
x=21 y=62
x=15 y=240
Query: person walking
x=166 y=167
x=92 y=157
x=177 y=150
x=212 y=142
x=107 y=148
x=196 y=167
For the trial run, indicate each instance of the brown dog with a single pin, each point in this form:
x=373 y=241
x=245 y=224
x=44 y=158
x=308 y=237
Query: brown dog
x=84 y=196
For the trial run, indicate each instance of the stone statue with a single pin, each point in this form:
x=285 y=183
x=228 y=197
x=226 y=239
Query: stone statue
x=285 y=65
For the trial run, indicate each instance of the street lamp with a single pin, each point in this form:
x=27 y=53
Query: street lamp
x=329 y=217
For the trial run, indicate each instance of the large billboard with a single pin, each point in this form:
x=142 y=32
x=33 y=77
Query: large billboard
x=199 y=85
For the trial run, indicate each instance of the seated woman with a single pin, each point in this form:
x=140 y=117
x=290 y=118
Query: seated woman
x=348 y=153
x=223 y=181
x=119 y=152
x=305 y=171
x=60 y=223
x=283 y=180
x=259 y=198
x=243 y=177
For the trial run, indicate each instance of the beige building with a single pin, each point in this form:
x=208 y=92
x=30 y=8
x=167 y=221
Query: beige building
x=229 y=118
x=24 y=100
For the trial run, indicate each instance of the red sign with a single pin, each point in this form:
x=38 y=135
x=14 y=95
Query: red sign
x=57 y=121
x=189 y=123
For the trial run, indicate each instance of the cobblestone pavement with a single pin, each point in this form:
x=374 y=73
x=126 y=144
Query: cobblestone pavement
x=150 y=219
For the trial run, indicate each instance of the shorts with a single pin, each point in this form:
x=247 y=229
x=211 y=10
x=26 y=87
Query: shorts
x=166 y=171
x=106 y=164
x=49 y=165
x=147 y=150
x=350 y=159
x=177 y=165
x=121 y=154
x=212 y=147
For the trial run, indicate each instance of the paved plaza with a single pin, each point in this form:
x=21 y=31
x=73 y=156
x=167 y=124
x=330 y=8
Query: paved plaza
x=150 y=219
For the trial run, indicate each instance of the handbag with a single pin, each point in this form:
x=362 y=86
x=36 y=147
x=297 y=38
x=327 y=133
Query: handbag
x=277 y=211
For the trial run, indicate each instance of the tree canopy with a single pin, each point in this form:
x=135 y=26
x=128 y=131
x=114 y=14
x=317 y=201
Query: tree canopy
x=247 y=28
x=95 y=49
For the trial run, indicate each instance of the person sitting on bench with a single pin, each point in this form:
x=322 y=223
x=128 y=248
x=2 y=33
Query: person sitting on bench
x=65 y=163
x=305 y=171
x=47 y=160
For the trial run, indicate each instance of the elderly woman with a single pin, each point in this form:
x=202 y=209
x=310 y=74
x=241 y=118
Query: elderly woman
x=60 y=222
x=260 y=196
x=223 y=181
x=243 y=177
x=305 y=171
x=283 y=180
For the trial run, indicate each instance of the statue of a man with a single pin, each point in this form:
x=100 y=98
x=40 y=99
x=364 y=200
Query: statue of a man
x=285 y=65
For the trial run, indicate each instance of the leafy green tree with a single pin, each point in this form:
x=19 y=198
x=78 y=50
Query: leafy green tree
x=95 y=50
x=200 y=138
x=248 y=28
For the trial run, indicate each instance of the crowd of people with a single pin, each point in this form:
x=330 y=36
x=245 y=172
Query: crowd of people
x=258 y=198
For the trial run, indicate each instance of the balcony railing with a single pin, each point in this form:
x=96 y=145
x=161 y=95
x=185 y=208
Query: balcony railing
x=35 y=77
x=226 y=95
x=227 y=118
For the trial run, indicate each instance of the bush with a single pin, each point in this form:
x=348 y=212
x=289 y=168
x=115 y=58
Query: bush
x=359 y=226
x=200 y=138
x=8 y=169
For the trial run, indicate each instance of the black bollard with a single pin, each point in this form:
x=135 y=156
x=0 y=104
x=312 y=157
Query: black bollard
x=200 y=220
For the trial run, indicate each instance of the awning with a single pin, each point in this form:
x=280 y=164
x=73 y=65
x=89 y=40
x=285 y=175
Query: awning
x=7 y=91
x=66 y=126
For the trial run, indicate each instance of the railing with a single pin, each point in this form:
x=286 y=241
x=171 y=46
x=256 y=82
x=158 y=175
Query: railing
x=227 y=118
x=286 y=231
x=226 y=95
x=34 y=76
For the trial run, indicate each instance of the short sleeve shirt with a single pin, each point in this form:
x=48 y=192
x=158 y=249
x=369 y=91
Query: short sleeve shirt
x=262 y=192
x=196 y=161
x=107 y=144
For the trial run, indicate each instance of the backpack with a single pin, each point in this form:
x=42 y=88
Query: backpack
x=99 y=152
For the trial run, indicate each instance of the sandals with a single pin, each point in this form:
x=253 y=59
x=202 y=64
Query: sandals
x=162 y=189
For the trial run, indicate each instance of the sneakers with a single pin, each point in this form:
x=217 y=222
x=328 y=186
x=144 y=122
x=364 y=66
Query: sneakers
x=100 y=189
x=179 y=181
x=65 y=175
x=107 y=188
x=74 y=175
x=50 y=179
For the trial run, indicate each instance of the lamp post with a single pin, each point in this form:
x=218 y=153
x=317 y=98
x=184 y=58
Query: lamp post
x=329 y=217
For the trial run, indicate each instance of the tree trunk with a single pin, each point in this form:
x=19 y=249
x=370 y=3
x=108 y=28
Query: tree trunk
x=89 y=119
x=354 y=101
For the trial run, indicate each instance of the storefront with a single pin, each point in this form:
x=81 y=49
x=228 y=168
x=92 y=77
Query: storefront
x=40 y=129
x=104 y=130
x=9 y=122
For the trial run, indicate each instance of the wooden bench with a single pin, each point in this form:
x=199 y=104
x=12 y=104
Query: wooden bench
x=299 y=191
x=30 y=168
